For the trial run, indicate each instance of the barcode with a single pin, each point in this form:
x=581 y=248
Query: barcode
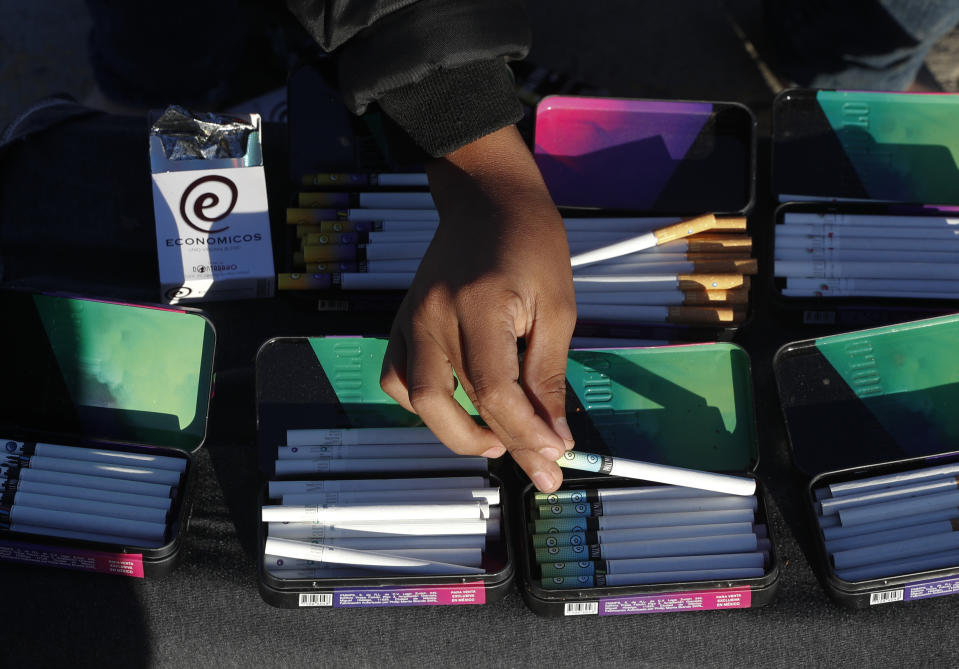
x=886 y=597
x=819 y=317
x=581 y=609
x=316 y=599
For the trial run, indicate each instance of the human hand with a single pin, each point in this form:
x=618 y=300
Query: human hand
x=497 y=269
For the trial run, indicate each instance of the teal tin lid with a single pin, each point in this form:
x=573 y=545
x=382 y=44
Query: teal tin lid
x=687 y=406
x=877 y=395
x=865 y=145
x=106 y=371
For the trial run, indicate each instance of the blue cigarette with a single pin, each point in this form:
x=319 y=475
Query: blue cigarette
x=726 y=543
x=901 y=567
x=839 y=532
x=89 y=506
x=90 y=468
x=575 y=496
x=619 y=507
x=857 y=557
x=82 y=522
x=112 y=496
x=887 y=480
x=888 y=536
x=832 y=506
x=85 y=536
x=671 y=563
x=94 y=455
x=549 y=539
x=86 y=481
x=828 y=521
x=614 y=580
x=898 y=508
x=581 y=524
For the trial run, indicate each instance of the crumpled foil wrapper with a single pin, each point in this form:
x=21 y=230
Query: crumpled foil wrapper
x=189 y=135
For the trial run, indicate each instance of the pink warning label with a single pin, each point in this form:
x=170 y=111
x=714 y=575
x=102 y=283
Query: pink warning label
x=705 y=600
x=127 y=564
x=430 y=595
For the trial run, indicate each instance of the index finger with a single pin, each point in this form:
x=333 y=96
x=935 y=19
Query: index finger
x=492 y=365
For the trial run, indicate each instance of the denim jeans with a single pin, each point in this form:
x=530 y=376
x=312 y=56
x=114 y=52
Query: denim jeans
x=856 y=44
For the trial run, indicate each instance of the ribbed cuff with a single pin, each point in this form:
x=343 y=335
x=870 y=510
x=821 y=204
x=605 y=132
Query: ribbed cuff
x=453 y=107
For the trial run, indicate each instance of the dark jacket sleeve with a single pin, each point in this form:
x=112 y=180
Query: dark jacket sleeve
x=436 y=67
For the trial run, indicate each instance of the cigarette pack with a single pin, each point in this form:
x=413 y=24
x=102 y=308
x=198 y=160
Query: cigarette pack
x=212 y=222
x=333 y=382
x=688 y=406
x=864 y=234
x=100 y=408
x=870 y=421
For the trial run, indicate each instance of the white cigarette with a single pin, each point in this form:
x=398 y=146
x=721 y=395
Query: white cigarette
x=870 y=220
x=490 y=495
x=374 y=512
x=866 y=231
x=866 y=270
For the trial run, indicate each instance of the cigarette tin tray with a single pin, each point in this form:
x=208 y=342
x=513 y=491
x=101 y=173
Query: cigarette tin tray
x=840 y=152
x=688 y=406
x=868 y=403
x=314 y=382
x=96 y=373
x=849 y=312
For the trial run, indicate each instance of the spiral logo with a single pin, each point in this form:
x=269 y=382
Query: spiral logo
x=178 y=293
x=569 y=455
x=558 y=580
x=584 y=565
x=583 y=579
x=553 y=498
x=11 y=446
x=559 y=565
x=200 y=207
x=581 y=508
x=556 y=510
x=551 y=541
x=592 y=459
x=576 y=540
x=577 y=497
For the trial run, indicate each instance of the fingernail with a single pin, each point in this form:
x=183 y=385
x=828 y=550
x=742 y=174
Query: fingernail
x=551 y=453
x=562 y=429
x=544 y=481
x=494 y=452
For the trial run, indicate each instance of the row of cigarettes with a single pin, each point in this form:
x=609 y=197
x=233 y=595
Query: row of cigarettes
x=605 y=537
x=891 y=525
x=629 y=270
x=852 y=255
x=367 y=528
x=93 y=494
